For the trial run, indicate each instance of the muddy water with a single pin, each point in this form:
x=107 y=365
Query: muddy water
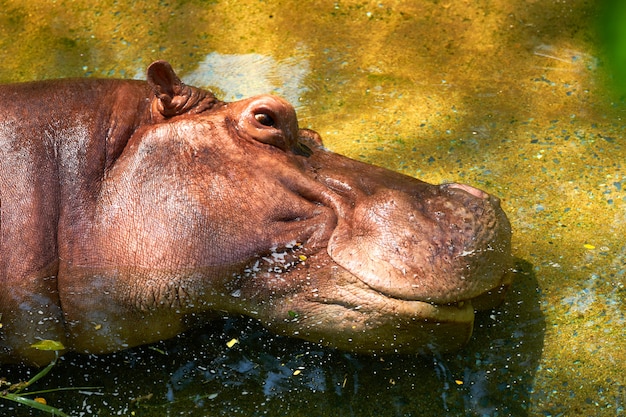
x=515 y=97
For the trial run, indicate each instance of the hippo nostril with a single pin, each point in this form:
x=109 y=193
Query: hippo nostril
x=469 y=189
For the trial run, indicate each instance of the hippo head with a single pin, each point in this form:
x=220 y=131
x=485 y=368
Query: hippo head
x=232 y=207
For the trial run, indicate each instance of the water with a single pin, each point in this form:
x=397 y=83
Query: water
x=514 y=97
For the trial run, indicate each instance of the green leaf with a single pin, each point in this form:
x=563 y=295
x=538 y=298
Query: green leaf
x=48 y=345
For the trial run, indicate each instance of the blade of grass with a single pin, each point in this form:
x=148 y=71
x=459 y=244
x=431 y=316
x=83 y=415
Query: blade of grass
x=34 y=404
x=39 y=375
x=48 y=391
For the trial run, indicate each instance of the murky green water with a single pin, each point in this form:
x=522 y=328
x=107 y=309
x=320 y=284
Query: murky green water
x=514 y=97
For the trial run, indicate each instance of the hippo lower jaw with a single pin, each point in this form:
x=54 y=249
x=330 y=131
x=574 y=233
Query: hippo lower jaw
x=347 y=314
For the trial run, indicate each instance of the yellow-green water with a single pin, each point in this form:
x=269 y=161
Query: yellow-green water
x=515 y=97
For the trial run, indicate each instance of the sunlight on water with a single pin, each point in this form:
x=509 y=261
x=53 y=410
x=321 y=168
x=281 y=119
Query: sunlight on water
x=234 y=77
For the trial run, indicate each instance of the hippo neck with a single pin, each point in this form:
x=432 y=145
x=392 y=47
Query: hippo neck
x=142 y=306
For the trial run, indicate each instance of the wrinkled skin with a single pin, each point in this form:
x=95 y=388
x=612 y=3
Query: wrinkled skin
x=131 y=209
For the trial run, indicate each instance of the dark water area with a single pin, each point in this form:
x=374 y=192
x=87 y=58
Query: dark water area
x=523 y=99
x=198 y=374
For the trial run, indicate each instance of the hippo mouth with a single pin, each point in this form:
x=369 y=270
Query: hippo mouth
x=360 y=294
x=353 y=293
x=339 y=310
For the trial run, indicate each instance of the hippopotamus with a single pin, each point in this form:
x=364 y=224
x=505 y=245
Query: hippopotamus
x=131 y=210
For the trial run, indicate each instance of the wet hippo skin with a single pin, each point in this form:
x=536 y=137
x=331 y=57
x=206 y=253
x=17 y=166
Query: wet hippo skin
x=130 y=209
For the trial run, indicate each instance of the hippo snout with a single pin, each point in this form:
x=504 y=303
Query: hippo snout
x=441 y=244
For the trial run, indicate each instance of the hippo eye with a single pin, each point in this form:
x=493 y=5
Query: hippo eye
x=265 y=119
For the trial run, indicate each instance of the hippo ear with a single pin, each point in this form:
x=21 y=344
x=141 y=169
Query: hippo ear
x=163 y=79
x=172 y=97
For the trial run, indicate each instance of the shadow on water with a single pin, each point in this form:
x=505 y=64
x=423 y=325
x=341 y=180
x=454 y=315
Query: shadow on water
x=196 y=374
